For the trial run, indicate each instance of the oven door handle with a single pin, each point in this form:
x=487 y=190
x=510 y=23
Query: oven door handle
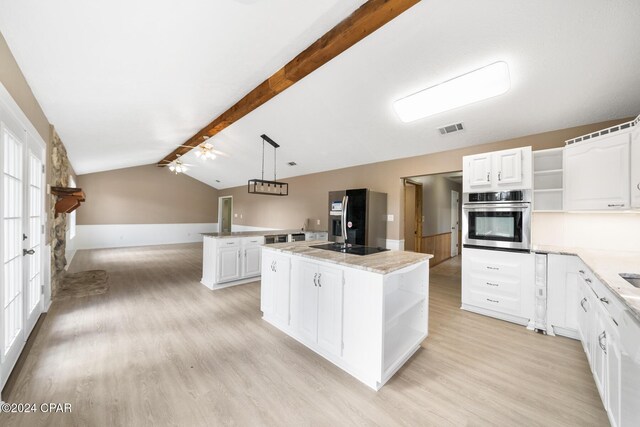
x=497 y=207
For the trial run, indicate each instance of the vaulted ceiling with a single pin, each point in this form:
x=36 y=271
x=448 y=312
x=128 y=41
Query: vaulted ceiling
x=126 y=82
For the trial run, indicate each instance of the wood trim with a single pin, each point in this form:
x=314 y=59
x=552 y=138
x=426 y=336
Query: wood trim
x=365 y=20
x=438 y=245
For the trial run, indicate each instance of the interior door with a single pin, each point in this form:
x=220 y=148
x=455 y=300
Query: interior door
x=13 y=319
x=34 y=240
x=455 y=222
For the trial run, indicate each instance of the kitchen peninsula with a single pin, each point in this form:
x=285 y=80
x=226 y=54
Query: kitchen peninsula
x=365 y=314
x=233 y=258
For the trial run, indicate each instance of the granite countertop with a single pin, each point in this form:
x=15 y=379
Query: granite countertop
x=607 y=265
x=226 y=235
x=381 y=263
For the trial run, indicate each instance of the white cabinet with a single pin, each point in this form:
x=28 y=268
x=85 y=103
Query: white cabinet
x=228 y=264
x=317 y=298
x=274 y=287
x=499 y=284
x=508 y=166
x=230 y=261
x=497 y=171
x=251 y=265
x=563 y=301
x=635 y=169
x=366 y=323
x=478 y=171
x=613 y=372
x=596 y=174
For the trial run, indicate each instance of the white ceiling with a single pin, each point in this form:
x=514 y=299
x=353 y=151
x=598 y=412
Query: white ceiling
x=571 y=62
x=126 y=81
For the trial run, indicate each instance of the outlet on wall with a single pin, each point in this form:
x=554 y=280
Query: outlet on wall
x=318 y=222
x=390 y=218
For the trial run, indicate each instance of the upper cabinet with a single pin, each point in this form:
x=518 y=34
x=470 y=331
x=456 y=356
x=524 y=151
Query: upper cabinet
x=596 y=173
x=635 y=169
x=508 y=166
x=497 y=171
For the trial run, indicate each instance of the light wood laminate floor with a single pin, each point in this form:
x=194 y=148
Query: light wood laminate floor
x=160 y=349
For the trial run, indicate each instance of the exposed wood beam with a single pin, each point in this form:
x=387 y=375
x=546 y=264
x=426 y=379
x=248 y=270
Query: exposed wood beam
x=364 y=21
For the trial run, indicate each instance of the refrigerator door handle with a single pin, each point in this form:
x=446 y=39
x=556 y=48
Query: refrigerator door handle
x=345 y=202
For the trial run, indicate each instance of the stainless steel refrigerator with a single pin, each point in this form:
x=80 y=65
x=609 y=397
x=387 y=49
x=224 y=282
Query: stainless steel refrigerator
x=360 y=215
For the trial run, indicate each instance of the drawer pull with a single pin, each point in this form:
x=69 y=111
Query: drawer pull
x=492 y=284
x=492 y=268
x=604 y=300
x=581 y=271
x=230 y=243
x=588 y=280
x=582 y=304
x=602 y=337
x=616 y=205
x=493 y=300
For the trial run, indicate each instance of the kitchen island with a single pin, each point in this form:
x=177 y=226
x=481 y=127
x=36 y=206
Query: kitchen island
x=366 y=314
x=233 y=258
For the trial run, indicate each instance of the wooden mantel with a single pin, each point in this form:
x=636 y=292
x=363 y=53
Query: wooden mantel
x=365 y=20
x=69 y=199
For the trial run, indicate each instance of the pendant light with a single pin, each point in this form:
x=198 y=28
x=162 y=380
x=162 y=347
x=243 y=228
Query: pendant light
x=265 y=187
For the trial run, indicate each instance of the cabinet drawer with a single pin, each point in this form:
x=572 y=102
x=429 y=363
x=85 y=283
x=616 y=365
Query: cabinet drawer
x=491 y=301
x=228 y=243
x=506 y=286
x=496 y=268
x=253 y=241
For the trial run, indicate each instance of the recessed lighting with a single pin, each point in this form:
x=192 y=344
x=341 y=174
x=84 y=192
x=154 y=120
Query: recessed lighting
x=483 y=83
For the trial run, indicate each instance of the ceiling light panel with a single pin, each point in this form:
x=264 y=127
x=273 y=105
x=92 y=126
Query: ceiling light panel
x=483 y=83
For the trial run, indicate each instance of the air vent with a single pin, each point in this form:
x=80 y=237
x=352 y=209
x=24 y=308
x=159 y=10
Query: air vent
x=451 y=128
x=292 y=163
x=612 y=129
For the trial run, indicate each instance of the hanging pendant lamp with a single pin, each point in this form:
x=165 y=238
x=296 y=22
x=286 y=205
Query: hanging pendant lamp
x=265 y=187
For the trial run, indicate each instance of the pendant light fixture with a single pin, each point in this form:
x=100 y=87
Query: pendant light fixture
x=265 y=187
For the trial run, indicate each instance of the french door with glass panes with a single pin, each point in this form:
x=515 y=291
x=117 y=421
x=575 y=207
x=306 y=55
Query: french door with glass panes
x=23 y=218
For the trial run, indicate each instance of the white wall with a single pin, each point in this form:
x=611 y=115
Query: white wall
x=125 y=235
x=603 y=231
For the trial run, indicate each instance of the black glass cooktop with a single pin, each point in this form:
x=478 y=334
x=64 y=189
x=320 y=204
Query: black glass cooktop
x=350 y=249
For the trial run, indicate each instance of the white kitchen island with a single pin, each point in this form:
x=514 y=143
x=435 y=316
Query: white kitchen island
x=366 y=314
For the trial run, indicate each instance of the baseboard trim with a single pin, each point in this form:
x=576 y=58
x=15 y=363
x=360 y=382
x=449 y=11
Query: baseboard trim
x=497 y=315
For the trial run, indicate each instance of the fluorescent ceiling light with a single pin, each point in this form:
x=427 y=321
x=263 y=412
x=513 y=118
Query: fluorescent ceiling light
x=483 y=83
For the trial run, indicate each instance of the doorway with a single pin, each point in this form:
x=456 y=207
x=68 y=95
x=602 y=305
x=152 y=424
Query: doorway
x=412 y=216
x=225 y=213
x=432 y=215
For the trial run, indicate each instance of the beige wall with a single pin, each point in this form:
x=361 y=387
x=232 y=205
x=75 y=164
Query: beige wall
x=145 y=195
x=308 y=193
x=15 y=83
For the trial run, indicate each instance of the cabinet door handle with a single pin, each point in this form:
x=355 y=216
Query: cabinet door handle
x=581 y=271
x=601 y=337
x=488 y=176
x=315 y=279
x=588 y=280
x=28 y=252
x=616 y=205
x=604 y=300
x=582 y=304
x=638 y=186
x=499 y=176
x=319 y=280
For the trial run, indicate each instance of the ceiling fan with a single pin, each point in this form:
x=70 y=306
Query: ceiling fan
x=205 y=150
x=177 y=166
